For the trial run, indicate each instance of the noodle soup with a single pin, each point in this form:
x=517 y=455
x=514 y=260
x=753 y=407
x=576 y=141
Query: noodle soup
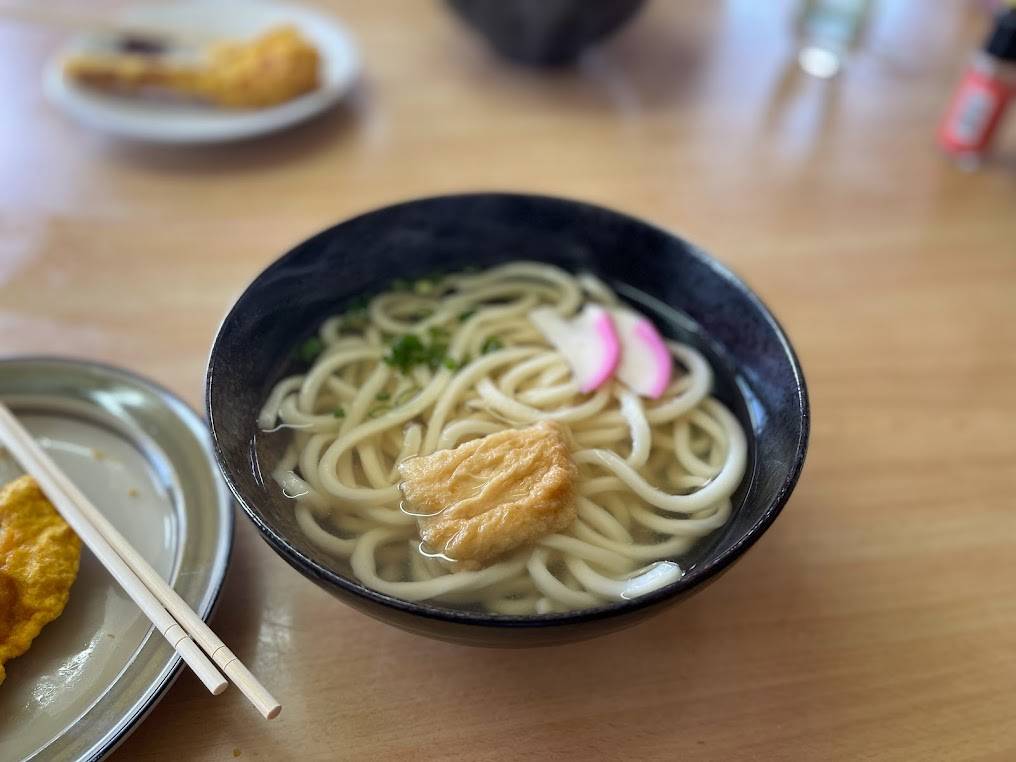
x=501 y=441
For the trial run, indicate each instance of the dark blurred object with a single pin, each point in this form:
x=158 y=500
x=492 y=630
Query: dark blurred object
x=988 y=86
x=143 y=44
x=545 y=32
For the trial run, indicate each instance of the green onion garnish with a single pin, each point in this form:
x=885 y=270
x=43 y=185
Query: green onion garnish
x=425 y=286
x=405 y=352
x=409 y=351
x=310 y=349
x=492 y=344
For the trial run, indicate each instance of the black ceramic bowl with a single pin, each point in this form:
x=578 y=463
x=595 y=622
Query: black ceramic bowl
x=545 y=32
x=689 y=295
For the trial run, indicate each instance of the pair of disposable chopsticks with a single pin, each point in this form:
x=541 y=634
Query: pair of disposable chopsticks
x=168 y=611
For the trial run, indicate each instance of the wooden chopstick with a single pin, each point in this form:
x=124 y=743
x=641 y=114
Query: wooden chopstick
x=67 y=499
x=56 y=484
x=195 y=626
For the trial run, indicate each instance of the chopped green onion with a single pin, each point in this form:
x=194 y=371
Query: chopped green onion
x=409 y=351
x=436 y=355
x=383 y=396
x=492 y=344
x=437 y=332
x=465 y=315
x=310 y=349
x=339 y=412
x=451 y=364
x=405 y=352
x=425 y=286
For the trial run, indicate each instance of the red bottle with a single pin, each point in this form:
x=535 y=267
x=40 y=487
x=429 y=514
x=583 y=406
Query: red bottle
x=987 y=88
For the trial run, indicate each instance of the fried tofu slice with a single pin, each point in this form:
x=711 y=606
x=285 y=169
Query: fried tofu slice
x=494 y=494
x=39 y=557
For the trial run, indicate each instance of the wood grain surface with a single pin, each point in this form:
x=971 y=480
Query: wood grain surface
x=875 y=620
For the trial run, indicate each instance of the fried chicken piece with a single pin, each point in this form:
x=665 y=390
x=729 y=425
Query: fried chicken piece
x=494 y=494
x=276 y=67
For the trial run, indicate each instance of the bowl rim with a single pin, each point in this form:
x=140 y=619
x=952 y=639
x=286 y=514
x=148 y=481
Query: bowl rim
x=706 y=572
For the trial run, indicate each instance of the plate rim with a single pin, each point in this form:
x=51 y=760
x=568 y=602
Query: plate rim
x=170 y=671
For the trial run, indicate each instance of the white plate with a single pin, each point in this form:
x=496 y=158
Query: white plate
x=144 y=459
x=194 y=123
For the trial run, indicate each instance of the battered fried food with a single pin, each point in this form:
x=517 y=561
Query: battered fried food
x=276 y=67
x=39 y=557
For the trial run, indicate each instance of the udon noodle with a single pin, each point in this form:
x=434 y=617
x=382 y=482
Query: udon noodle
x=654 y=476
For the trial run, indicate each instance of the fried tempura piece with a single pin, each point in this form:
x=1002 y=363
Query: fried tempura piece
x=493 y=494
x=39 y=557
x=276 y=67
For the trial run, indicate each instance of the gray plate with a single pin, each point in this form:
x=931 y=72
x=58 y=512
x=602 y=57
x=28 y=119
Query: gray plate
x=143 y=457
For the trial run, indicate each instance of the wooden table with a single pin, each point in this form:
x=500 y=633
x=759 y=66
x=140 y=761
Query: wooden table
x=875 y=620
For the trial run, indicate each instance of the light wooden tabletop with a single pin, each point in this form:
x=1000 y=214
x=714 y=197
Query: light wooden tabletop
x=875 y=620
